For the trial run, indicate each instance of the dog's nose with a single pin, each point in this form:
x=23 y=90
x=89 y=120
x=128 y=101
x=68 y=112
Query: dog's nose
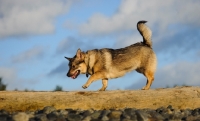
x=68 y=74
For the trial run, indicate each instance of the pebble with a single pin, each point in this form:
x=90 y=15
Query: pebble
x=21 y=116
x=50 y=113
x=48 y=109
x=116 y=114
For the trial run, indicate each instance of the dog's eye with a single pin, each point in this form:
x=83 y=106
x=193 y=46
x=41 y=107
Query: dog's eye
x=73 y=66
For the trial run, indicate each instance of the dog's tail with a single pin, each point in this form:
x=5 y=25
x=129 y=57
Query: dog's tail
x=145 y=32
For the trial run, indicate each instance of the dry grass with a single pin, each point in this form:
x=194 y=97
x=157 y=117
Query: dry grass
x=179 y=97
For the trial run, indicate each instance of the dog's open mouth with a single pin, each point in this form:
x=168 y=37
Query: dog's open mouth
x=75 y=74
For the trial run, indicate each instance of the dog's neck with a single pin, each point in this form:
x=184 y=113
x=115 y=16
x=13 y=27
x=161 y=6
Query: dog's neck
x=88 y=63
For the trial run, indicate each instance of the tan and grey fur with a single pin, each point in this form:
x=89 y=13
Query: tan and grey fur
x=109 y=63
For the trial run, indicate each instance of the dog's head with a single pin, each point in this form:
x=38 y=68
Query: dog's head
x=77 y=65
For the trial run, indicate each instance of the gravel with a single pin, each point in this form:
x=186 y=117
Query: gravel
x=50 y=113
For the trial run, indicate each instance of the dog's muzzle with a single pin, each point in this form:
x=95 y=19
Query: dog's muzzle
x=74 y=75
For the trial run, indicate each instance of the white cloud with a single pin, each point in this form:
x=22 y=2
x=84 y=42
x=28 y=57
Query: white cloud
x=7 y=74
x=179 y=73
x=30 y=54
x=27 y=17
x=160 y=14
x=11 y=78
x=69 y=44
x=126 y=40
x=174 y=24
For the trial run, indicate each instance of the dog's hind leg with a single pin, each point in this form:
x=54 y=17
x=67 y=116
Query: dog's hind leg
x=105 y=83
x=150 y=77
x=94 y=77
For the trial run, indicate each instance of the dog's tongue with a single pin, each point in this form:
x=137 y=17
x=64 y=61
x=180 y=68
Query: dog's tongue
x=74 y=75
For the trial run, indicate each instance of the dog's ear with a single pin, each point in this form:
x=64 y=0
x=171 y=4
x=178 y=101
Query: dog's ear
x=79 y=54
x=68 y=58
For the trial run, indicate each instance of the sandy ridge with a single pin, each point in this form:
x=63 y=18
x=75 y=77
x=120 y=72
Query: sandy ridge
x=179 y=97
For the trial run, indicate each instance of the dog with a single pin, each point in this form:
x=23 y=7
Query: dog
x=110 y=63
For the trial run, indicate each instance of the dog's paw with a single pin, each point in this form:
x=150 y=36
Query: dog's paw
x=84 y=86
x=102 y=89
x=145 y=88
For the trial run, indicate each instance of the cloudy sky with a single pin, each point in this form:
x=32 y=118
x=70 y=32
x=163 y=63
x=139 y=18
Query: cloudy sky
x=35 y=35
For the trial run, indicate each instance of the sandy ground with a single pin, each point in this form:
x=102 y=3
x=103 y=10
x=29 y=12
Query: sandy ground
x=179 y=97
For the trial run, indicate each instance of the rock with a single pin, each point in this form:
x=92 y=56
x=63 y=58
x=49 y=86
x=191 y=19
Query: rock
x=71 y=111
x=38 y=111
x=48 y=109
x=86 y=113
x=104 y=118
x=41 y=117
x=104 y=114
x=162 y=110
x=142 y=116
x=193 y=118
x=52 y=116
x=155 y=116
x=74 y=117
x=177 y=115
x=95 y=115
x=30 y=114
x=128 y=120
x=130 y=111
x=63 y=113
x=87 y=118
x=116 y=114
x=170 y=107
x=21 y=117
x=4 y=112
x=127 y=114
x=91 y=110
x=32 y=119
x=3 y=117
x=186 y=112
x=196 y=112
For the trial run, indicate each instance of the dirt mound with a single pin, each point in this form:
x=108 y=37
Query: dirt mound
x=179 y=97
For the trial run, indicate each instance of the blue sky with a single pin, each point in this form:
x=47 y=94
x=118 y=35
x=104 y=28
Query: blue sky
x=35 y=36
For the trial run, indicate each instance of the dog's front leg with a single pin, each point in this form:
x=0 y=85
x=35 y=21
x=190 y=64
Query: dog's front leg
x=94 y=77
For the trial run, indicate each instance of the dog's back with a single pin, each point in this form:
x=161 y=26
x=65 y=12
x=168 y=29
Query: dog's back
x=117 y=62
